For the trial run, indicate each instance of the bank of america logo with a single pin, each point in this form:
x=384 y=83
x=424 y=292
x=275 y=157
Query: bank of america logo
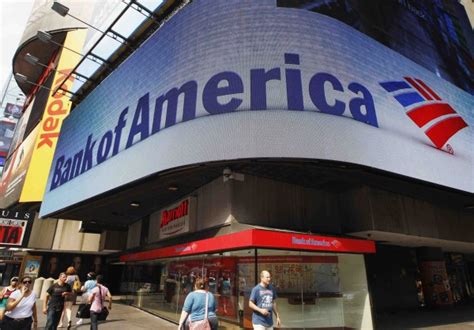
x=427 y=110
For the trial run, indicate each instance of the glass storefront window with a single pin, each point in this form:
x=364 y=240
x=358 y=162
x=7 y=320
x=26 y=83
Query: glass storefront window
x=319 y=290
x=315 y=290
x=161 y=286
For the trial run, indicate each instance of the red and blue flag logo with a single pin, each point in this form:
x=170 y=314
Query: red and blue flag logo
x=426 y=109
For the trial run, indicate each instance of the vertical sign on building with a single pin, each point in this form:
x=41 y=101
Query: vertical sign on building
x=57 y=108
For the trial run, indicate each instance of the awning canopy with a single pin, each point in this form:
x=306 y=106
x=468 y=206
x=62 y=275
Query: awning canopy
x=256 y=238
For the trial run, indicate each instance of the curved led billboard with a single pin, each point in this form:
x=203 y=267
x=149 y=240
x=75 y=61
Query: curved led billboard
x=231 y=80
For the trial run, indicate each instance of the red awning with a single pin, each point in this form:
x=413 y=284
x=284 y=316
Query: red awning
x=257 y=238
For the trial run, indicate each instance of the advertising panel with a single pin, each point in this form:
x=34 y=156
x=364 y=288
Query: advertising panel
x=14 y=227
x=20 y=130
x=13 y=176
x=57 y=108
x=13 y=110
x=7 y=127
x=226 y=80
x=436 y=288
x=31 y=266
x=178 y=218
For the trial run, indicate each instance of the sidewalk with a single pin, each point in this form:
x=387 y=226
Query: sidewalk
x=121 y=317
x=459 y=317
x=131 y=318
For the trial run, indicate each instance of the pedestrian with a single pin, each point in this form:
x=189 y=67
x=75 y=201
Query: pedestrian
x=195 y=306
x=21 y=308
x=53 y=304
x=6 y=292
x=98 y=295
x=262 y=302
x=226 y=292
x=74 y=282
x=87 y=291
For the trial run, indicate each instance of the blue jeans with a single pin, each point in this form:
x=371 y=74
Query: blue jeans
x=94 y=321
x=53 y=318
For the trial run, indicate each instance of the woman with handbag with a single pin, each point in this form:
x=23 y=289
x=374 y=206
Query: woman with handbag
x=99 y=294
x=21 y=308
x=73 y=280
x=84 y=308
x=200 y=306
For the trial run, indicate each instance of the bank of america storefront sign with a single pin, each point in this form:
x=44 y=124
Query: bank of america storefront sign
x=230 y=80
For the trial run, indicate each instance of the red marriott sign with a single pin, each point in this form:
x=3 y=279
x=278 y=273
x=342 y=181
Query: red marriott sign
x=175 y=220
x=168 y=216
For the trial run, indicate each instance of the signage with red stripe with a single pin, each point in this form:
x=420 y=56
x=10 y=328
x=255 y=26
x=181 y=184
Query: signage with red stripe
x=257 y=238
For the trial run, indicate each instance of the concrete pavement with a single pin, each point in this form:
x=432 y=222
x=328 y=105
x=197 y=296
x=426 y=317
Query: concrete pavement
x=121 y=317
x=130 y=318
x=455 y=318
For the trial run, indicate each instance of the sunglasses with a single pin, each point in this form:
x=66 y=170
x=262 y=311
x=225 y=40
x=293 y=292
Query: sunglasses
x=24 y=282
x=14 y=281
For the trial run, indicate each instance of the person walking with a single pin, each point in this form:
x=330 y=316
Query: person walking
x=262 y=302
x=21 y=308
x=87 y=291
x=195 y=306
x=74 y=282
x=6 y=292
x=53 y=304
x=98 y=295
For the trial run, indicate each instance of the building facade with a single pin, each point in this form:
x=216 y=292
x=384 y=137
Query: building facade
x=321 y=141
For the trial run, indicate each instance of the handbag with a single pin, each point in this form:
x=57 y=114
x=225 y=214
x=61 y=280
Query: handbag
x=201 y=324
x=102 y=316
x=84 y=311
x=76 y=287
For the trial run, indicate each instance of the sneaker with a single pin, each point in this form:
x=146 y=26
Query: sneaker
x=80 y=322
x=69 y=325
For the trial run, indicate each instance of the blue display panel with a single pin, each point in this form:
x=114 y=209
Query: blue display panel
x=230 y=80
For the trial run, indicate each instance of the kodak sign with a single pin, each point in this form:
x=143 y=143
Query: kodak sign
x=57 y=109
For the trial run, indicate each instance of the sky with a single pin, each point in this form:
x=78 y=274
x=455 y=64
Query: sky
x=13 y=17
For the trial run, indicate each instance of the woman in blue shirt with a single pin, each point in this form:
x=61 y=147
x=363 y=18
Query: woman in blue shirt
x=90 y=284
x=195 y=305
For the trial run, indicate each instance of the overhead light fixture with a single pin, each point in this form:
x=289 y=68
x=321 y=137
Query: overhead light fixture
x=135 y=204
x=64 y=11
x=173 y=188
x=24 y=79
x=48 y=38
x=33 y=60
x=21 y=77
x=44 y=36
x=60 y=8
